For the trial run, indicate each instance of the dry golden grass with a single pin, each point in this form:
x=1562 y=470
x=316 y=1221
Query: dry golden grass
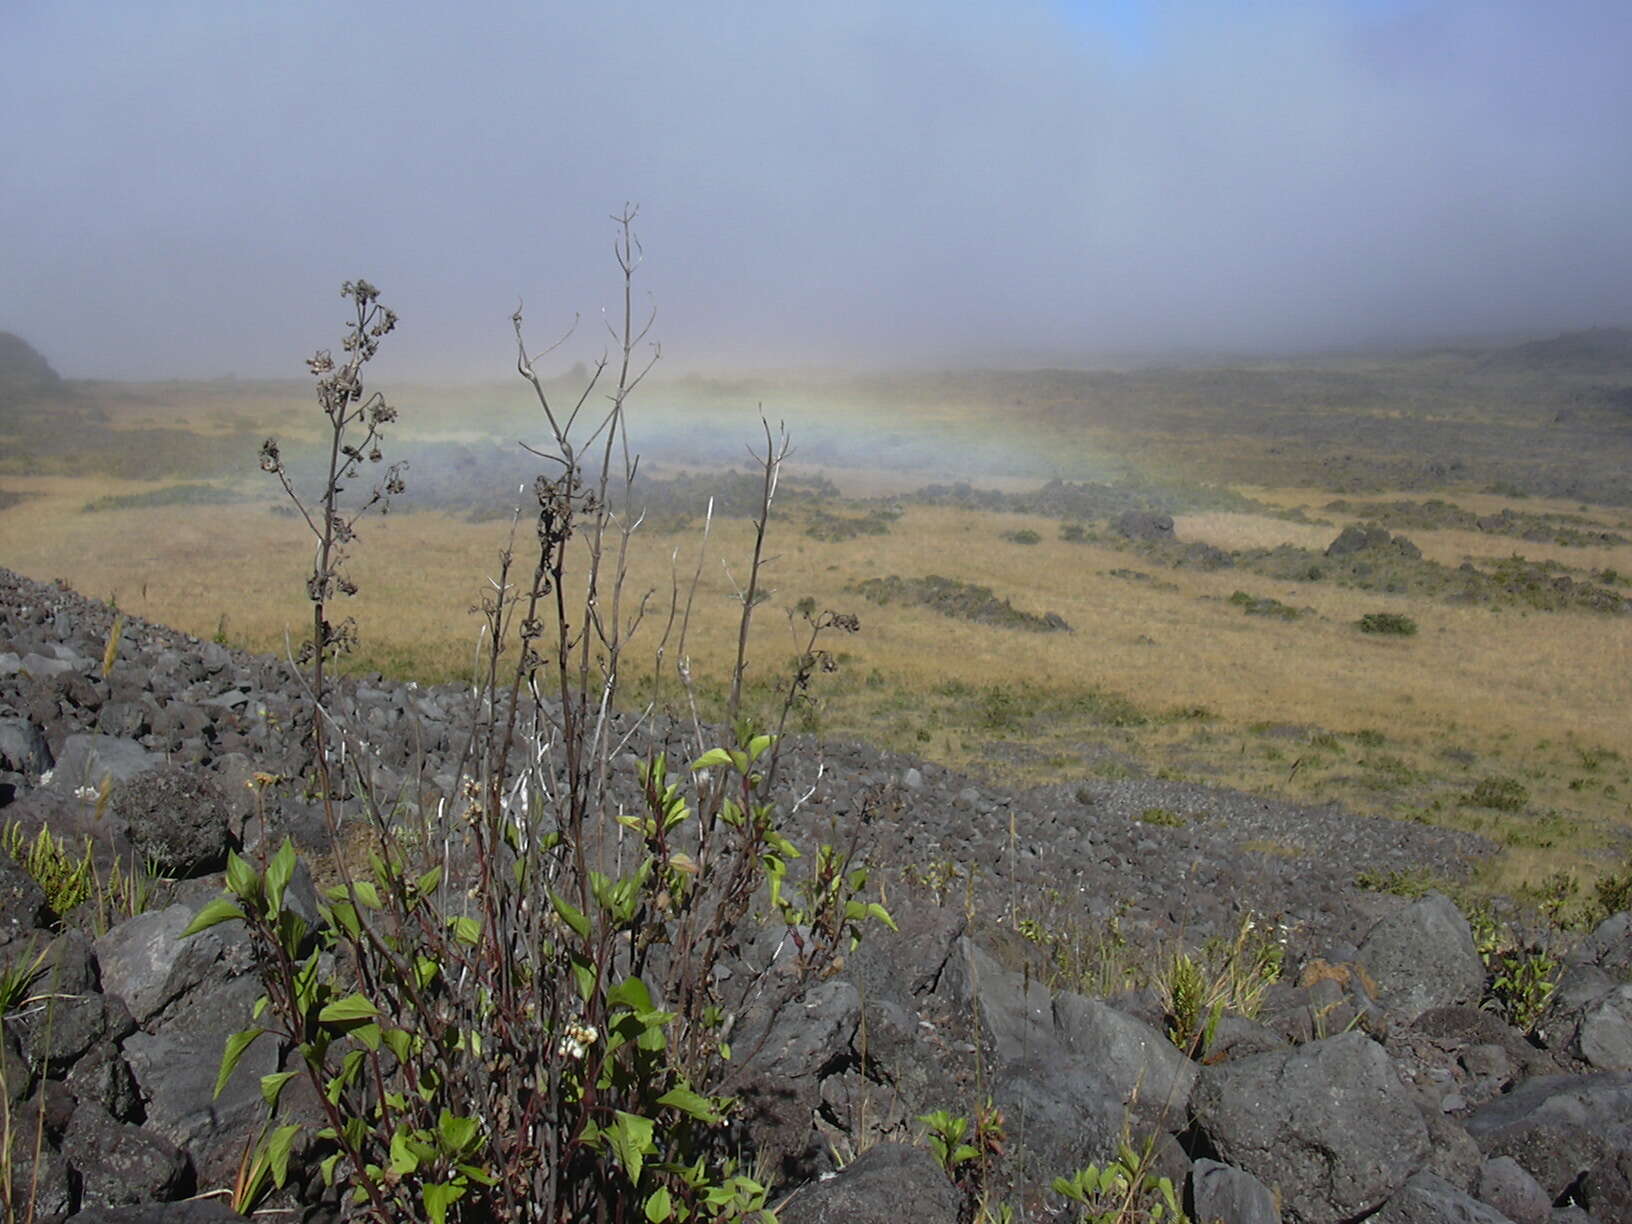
x=1519 y=692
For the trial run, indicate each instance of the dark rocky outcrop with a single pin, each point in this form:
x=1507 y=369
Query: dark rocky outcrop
x=1144 y=525
x=1371 y=538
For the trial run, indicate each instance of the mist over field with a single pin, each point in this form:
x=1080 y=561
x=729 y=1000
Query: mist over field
x=920 y=185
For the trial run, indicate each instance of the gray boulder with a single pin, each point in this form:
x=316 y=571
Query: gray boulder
x=1427 y=1199
x=176 y=1072
x=1603 y=1036
x=119 y=1164
x=41 y=1181
x=1609 y=947
x=178 y=819
x=1606 y=1190
x=884 y=1185
x=1063 y=1112
x=1505 y=1185
x=23 y=748
x=1328 y=1124
x=23 y=906
x=1423 y=957
x=1142 y=1065
x=1221 y=1192
x=1016 y=1014
x=87 y=761
x=148 y=963
x=1557 y=1126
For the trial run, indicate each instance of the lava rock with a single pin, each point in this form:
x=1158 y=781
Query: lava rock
x=876 y=1188
x=1423 y=957
x=1329 y=1124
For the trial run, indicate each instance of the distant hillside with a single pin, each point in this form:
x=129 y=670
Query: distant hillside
x=1596 y=350
x=23 y=370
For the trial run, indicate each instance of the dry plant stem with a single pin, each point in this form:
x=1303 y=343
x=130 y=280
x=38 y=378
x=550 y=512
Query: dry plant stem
x=776 y=450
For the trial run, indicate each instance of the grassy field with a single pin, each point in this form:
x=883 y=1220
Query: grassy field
x=1503 y=719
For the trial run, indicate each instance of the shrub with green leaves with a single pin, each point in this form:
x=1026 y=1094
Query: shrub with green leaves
x=518 y=1013
x=1500 y=794
x=1392 y=624
x=1126 y=1190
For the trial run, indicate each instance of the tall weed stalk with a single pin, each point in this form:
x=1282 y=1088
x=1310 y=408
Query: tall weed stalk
x=520 y=1013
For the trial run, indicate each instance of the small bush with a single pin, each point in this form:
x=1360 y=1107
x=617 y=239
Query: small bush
x=1165 y=817
x=1265 y=605
x=1500 y=794
x=963 y=600
x=1023 y=536
x=1390 y=623
x=1073 y=533
x=170 y=495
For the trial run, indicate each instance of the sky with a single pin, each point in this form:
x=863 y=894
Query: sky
x=184 y=185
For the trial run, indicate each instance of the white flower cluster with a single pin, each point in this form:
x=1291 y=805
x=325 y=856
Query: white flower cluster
x=577 y=1040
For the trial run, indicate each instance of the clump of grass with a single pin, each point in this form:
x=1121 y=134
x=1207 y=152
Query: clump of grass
x=1400 y=882
x=1392 y=624
x=1165 y=817
x=1500 y=794
x=65 y=878
x=963 y=600
x=1224 y=975
x=835 y=528
x=1024 y=535
x=1265 y=605
x=169 y=495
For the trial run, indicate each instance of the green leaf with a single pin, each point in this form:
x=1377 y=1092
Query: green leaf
x=428 y=882
x=439 y=1196
x=584 y=976
x=457 y=1134
x=572 y=916
x=278 y=1146
x=236 y=1045
x=406 y=1154
x=278 y=874
x=693 y=1103
x=466 y=930
x=425 y=971
x=758 y=745
x=353 y=1007
x=658 y=1206
x=326 y=1167
x=367 y=894
x=631 y=1139
x=632 y=993
x=215 y=912
x=875 y=910
x=242 y=879
x=711 y=758
x=399 y=1042
x=292 y=931
x=272 y=1086
x=343 y=914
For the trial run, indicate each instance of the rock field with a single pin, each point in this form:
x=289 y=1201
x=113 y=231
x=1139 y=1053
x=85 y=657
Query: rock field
x=1370 y=1084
